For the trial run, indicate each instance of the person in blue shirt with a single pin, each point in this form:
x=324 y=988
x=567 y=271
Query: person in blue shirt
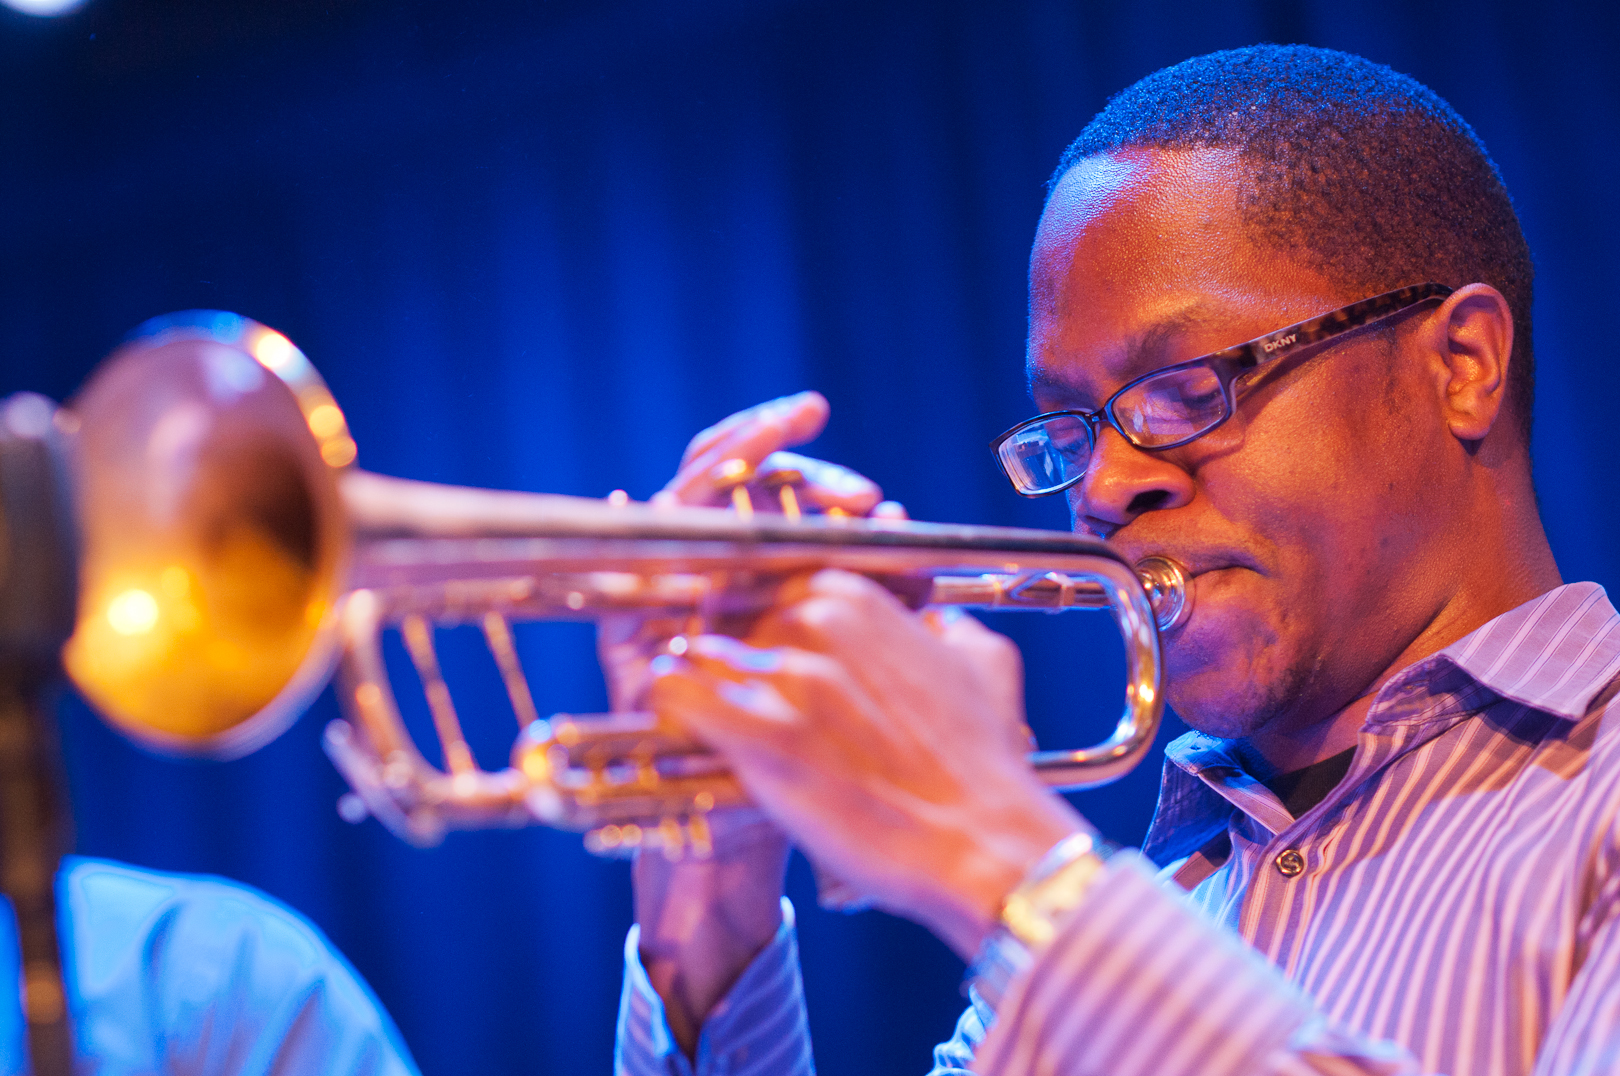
x=190 y=975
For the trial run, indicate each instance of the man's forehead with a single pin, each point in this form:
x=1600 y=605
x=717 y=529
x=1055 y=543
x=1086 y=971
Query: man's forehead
x=1140 y=214
x=1143 y=258
x=1094 y=186
x=1158 y=342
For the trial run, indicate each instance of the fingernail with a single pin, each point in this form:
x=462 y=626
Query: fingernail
x=844 y=480
x=791 y=403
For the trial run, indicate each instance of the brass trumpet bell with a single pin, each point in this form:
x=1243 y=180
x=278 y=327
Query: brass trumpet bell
x=233 y=555
x=215 y=546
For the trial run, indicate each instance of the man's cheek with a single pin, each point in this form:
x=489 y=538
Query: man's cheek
x=1234 y=633
x=1225 y=691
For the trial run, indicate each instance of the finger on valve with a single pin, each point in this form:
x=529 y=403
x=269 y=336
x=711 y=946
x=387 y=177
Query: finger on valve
x=851 y=618
x=626 y=643
x=889 y=510
x=789 y=420
x=725 y=693
x=749 y=447
x=816 y=485
x=799 y=735
x=749 y=436
x=831 y=610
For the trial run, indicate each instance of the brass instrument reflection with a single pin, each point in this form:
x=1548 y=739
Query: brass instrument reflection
x=233 y=556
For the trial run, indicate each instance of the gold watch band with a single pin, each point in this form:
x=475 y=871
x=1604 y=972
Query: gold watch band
x=1033 y=911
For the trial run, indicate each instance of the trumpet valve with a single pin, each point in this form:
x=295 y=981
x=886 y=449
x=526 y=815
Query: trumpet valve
x=677 y=838
x=626 y=780
x=646 y=771
x=698 y=832
x=615 y=841
x=671 y=838
x=785 y=481
x=732 y=476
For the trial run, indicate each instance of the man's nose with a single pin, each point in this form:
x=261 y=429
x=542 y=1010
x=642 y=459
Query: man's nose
x=1121 y=482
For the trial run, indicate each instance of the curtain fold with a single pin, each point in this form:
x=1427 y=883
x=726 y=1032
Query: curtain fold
x=540 y=249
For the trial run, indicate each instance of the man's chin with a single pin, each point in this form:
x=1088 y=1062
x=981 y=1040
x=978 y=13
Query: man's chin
x=1219 y=724
x=1227 y=708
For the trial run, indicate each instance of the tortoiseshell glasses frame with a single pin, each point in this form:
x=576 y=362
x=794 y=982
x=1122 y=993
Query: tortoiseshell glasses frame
x=1174 y=405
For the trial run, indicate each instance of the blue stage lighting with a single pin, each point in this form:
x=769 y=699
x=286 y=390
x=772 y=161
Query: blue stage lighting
x=43 y=8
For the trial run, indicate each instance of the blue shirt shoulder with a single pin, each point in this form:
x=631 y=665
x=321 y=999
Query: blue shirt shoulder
x=202 y=976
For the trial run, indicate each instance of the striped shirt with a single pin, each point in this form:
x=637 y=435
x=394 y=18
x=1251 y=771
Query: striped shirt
x=1453 y=906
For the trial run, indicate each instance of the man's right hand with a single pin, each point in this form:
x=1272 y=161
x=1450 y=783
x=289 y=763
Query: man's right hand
x=757 y=436
x=703 y=921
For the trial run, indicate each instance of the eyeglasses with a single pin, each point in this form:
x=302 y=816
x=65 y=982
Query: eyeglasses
x=1169 y=407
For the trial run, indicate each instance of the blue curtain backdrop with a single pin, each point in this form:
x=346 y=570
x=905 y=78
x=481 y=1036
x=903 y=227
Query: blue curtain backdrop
x=538 y=246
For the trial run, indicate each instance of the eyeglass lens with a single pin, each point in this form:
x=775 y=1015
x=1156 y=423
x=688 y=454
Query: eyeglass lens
x=1166 y=409
x=1042 y=457
x=1171 y=406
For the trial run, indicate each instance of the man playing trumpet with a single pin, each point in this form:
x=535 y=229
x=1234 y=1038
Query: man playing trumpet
x=1279 y=332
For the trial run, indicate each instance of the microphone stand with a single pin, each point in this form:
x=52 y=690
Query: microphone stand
x=38 y=602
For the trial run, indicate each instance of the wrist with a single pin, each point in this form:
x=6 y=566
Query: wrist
x=989 y=866
x=702 y=921
x=728 y=903
x=1034 y=911
x=695 y=968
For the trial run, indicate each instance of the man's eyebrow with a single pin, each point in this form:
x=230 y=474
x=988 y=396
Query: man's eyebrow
x=1144 y=351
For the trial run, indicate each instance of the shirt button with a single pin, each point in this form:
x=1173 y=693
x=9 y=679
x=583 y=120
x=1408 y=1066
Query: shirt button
x=1290 y=863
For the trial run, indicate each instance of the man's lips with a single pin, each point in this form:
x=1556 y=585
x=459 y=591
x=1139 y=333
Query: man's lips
x=1205 y=584
x=1209 y=574
x=1197 y=564
x=1199 y=573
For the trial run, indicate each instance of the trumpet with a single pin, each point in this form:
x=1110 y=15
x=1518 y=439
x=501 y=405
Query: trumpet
x=233 y=558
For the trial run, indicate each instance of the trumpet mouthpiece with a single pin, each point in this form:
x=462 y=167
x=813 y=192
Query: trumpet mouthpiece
x=1166 y=584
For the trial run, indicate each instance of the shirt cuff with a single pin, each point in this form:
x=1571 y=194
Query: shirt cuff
x=1135 y=984
x=758 y=1028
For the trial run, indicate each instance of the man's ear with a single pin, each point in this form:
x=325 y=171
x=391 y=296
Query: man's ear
x=1471 y=338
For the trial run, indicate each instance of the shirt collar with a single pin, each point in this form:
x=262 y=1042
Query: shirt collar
x=1555 y=653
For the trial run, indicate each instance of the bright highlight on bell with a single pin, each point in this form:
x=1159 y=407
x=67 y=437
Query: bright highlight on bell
x=338 y=453
x=273 y=350
x=134 y=612
x=326 y=421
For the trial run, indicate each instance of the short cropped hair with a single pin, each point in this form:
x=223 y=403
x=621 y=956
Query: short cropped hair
x=1361 y=173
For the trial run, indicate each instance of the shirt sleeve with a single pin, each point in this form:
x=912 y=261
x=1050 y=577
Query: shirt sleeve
x=758 y=1029
x=954 y=1057
x=1136 y=984
x=1584 y=1039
